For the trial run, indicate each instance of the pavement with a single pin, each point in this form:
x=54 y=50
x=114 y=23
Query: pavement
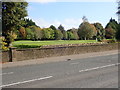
x=57 y=59
x=91 y=70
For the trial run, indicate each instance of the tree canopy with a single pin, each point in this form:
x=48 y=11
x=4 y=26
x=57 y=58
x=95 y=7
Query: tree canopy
x=13 y=14
x=86 y=31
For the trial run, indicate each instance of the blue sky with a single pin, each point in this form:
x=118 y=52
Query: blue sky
x=70 y=14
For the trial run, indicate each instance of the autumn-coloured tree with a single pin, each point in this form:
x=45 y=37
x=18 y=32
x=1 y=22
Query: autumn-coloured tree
x=110 y=32
x=22 y=32
x=86 y=31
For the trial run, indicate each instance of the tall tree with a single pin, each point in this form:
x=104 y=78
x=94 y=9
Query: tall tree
x=53 y=27
x=111 y=28
x=118 y=33
x=28 y=22
x=71 y=36
x=86 y=31
x=74 y=32
x=100 y=31
x=61 y=28
x=85 y=19
x=58 y=35
x=110 y=33
x=13 y=14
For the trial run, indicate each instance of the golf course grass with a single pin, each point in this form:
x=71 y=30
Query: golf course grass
x=33 y=44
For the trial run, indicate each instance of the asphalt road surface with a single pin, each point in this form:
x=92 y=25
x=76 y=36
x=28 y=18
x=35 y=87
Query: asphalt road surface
x=94 y=72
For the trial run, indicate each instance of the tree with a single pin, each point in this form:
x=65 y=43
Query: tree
x=110 y=33
x=71 y=36
x=31 y=34
x=48 y=34
x=100 y=31
x=86 y=31
x=39 y=33
x=118 y=33
x=61 y=28
x=118 y=7
x=111 y=28
x=22 y=32
x=84 y=19
x=28 y=22
x=58 y=35
x=74 y=32
x=113 y=23
x=13 y=14
x=53 y=27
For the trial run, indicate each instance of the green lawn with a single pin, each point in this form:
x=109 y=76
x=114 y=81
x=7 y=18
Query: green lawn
x=51 y=42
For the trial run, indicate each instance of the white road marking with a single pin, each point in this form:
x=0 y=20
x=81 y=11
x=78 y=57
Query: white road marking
x=43 y=78
x=99 y=67
x=6 y=73
x=74 y=63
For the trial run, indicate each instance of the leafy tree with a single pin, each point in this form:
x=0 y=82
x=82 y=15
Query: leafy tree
x=118 y=33
x=13 y=14
x=71 y=36
x=110 y=33
x=39 y=33
x=22 y=32
x=48 y=34
x=86 y=31
x=74 y=31
x=111 y=28
x=65 y=35
x=58 y=35
x=113 y=24
x=53 y=27
x=100 y=31
x=61 y=28
x=118 y=8
x=30 y=31
x=28 y=22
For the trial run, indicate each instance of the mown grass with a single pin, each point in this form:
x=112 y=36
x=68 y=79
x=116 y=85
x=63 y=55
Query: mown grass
x=34 y=44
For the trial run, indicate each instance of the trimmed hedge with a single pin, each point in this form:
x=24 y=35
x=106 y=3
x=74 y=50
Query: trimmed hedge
x=27 y=46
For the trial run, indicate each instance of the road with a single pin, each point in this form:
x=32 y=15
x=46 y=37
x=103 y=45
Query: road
x=93 y=72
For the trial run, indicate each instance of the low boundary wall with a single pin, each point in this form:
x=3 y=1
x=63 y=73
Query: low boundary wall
x=35 y=53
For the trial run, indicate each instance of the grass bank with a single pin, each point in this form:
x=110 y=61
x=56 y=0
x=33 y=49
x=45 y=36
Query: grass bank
x=34 y=44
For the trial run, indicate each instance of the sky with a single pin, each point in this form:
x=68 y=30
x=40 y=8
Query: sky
x=69 y=13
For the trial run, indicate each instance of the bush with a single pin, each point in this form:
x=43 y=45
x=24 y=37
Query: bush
x=27 y=46
x=3 y=44
x=109 y=41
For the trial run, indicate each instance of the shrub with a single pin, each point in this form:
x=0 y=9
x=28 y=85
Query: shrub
x=3 y=44
x=27 y=46
x=109 y=41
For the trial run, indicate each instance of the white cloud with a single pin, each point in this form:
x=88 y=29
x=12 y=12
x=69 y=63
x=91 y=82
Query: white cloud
x=67 y=23
x=46 y=1
x=41 y=1
x=86 y=0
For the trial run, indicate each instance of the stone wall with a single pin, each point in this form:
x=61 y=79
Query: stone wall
x=35 y=53
x=5 y=56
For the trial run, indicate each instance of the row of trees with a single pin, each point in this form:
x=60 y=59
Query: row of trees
x=86 y=31
x=15 y=26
